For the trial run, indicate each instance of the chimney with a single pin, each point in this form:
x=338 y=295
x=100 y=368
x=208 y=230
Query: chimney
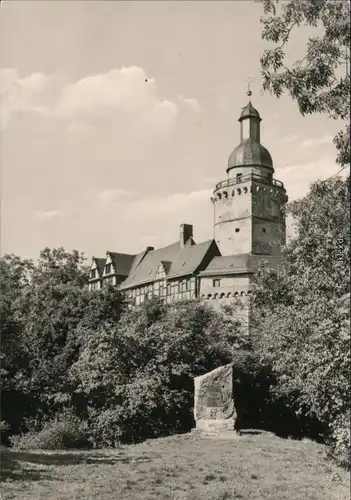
x=186 y=232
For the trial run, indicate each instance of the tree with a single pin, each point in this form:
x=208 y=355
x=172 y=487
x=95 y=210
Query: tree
x=137 y=375
x=302 y=314
x=44 y=308
x=316 y=261
x=14 y=274
x=320 y=81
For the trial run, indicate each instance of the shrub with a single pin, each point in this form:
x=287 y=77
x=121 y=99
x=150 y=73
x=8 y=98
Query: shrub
x=136 y=376
x=301 y=318
x=339 y=441
x=105 y=429
x=62 y=433
x=4 y=431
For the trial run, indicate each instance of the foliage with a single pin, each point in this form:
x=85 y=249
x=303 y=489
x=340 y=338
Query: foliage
x=126 y=374
x=63 y=432
x=43 y=307
x=320 y=81
x=316 y=261
x=302 y=314
x=137 y=375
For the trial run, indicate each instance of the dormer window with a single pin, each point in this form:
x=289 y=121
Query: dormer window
x=108 y=268
x=93 y=274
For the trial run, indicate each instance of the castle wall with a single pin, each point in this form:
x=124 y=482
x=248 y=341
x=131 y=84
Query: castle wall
x=233 y=210
x=232 y=291
x=267 y=237
x=249 y=218
x=228 y=286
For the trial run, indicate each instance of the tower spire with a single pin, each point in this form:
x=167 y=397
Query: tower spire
x=249 y=93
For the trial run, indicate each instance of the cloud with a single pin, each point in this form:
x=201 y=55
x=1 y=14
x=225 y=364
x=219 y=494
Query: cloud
x=162 y=206
x=190 y=103
x=109 y=197
x=36 y=82
x=77 y=127
x=210 y=180
x=319 y=141
x=49 y=214
x=297 y=178
x=21 y=94
x=148 y=239
x=288 y=139
x=126 y=92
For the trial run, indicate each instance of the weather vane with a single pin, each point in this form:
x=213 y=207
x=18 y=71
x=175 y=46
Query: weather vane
x=249 y=81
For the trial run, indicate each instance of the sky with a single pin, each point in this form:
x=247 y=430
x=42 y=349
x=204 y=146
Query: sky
x=118 y=118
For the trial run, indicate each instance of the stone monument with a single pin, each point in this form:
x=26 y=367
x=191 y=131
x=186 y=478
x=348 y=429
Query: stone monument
x=214 y=409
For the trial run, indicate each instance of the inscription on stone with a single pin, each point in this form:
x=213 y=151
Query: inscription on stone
x=214 y=396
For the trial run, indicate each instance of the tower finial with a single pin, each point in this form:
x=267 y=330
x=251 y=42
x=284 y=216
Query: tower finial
x=249 y=81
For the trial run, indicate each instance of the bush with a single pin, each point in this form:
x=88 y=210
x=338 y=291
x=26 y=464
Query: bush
x=105 y=427
x=340 y=445
x=4 y=432
x=61 y=433
x=301 y=314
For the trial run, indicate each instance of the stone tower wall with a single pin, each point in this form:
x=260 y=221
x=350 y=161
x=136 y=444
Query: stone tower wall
x=249 y=218
x=233 y=224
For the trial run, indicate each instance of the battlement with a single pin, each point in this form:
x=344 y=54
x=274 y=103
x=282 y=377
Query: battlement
x=249 y=177
x=230 y=188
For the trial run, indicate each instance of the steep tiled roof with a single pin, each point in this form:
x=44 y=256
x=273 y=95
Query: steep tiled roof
x=188 y=259
x=237 y=264
x=166 y=265
x=100 y=263
x=181 y=262
x=122 y=262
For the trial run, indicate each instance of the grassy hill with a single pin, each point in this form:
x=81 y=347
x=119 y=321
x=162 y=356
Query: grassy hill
x=254 y=466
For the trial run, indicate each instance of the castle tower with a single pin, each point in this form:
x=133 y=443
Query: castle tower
x=249 y=205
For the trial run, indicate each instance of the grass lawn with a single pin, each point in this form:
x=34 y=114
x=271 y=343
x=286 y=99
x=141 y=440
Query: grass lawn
x=254 y=466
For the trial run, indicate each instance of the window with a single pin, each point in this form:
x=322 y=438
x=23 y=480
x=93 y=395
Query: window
x=263 y=230
x=216 y=283
x=237 y=229
x=93 y=273
x=108 y=268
